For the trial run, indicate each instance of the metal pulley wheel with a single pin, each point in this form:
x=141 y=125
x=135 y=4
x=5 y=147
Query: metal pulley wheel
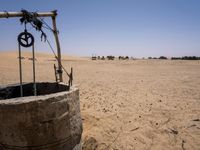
x=25 y=39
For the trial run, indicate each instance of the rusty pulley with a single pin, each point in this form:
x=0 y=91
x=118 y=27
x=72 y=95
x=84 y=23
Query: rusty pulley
x=25 y=39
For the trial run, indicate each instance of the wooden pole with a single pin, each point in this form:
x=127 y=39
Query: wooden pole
x=20 y=71
x=34 y=83
x=58 y=46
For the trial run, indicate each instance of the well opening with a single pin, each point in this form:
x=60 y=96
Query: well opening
x=44 y=88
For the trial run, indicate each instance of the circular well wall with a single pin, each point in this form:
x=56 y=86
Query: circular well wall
x=49 y=121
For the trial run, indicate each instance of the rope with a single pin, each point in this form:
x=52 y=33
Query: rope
x=47 y=26
x=57 y=57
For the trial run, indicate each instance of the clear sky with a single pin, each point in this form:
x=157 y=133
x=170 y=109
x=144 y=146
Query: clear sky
x=113 y=27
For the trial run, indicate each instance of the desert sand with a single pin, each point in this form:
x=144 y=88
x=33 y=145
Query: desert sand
x=126 y=104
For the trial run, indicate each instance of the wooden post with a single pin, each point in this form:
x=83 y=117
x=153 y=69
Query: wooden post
x=20 y=71
x=58 y=45
x=34 y=83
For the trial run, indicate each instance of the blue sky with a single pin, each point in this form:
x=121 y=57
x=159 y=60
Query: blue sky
x=138 y=28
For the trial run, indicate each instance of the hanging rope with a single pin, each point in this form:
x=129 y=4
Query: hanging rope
x=57 y=57
x=47 y=26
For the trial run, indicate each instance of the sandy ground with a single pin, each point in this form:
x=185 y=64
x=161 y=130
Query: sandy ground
x=127 y=105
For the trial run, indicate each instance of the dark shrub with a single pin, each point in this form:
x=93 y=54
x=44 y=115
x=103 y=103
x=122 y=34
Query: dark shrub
x=162 y=57
x=110 y=57
x=127 y=58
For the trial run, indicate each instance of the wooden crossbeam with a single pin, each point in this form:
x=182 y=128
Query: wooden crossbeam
x=6 y=14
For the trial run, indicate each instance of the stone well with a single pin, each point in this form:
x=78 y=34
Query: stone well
x=49 y=121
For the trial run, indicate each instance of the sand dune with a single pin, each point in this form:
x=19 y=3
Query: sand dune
x=126 y=105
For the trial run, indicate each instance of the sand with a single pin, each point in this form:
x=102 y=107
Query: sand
x=126 y=104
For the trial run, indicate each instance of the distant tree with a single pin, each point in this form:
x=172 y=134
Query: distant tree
x=149 y=57
x=186 y=58
x=190 y=58
x=110 y=57
x=176 y=58
x=102 y=58
x=94 y=57
x=121 y=57
x=127 y=58
x=162 y=57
